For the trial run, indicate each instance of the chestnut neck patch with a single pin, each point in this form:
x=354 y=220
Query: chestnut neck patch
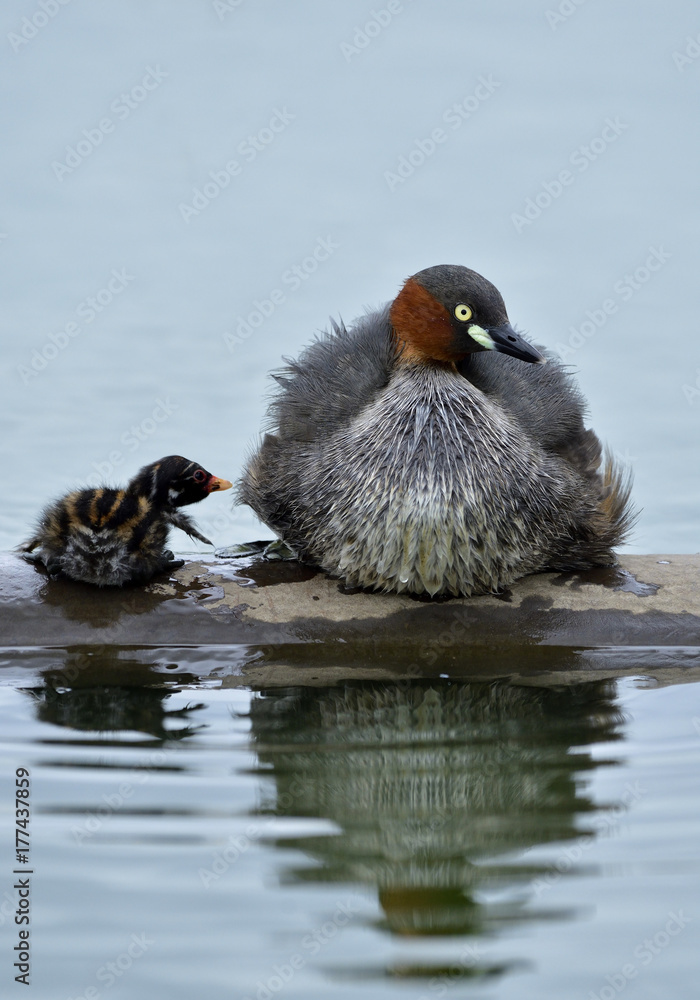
x=422 y=325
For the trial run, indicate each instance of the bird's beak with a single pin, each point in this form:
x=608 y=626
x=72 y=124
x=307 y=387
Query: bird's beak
x=218 y=484
x=505 y=340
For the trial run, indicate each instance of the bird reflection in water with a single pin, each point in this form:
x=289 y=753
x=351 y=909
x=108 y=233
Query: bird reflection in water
x=115 y=709
x=439 y=791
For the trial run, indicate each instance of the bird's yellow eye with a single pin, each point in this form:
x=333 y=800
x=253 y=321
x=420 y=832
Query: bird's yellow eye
x=463 y=312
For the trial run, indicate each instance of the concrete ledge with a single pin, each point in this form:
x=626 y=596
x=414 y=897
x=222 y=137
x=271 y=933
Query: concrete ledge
x=245 y=621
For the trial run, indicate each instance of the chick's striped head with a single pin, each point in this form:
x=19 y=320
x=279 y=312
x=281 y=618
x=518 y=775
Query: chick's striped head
x=175 y=481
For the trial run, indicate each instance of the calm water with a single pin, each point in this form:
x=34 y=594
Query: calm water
x=411 y=840
x=400 y=842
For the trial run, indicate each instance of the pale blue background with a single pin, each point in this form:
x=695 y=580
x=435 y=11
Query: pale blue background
x=323 y=175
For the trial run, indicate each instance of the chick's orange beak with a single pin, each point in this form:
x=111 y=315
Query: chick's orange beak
x=218 y=484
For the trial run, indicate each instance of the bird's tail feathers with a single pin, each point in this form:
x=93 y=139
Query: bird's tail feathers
x=616 y=506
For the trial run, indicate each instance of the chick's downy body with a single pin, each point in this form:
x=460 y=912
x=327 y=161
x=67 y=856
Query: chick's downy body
x=427 y=450
x=110 y=537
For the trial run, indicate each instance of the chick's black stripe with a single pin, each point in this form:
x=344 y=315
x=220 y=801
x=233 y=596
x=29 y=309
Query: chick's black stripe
x=106 y=502
x=63 y=521
x=83 y=506
x=140 y=529
x=128 y=508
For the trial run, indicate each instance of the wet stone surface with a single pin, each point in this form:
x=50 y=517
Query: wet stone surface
x=246 y=617
x=613 y=577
